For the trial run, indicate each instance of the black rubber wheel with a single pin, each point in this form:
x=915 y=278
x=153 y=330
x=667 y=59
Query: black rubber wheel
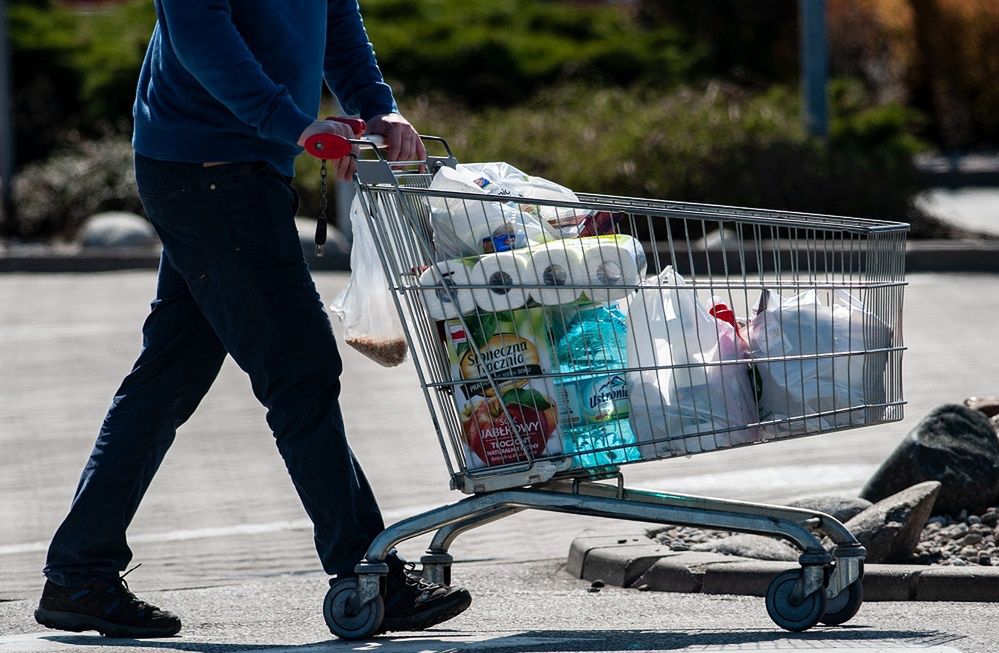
x=795 y=618
x=844 y=606
x=344 y=625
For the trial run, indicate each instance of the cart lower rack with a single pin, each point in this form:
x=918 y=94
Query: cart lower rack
x=560 y=337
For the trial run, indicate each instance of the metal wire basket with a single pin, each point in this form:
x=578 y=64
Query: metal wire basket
x=681 y=328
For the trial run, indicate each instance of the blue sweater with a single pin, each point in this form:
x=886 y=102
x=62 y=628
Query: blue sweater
x=239 y=80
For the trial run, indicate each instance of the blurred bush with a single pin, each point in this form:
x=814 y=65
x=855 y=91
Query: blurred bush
x=56 y=195
x=938 y=56
x=501 y=53
x=720 y=145
x=73 y=72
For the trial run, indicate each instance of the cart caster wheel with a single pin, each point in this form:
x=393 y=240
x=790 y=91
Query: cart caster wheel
x=844 y=606
x=784 y=613
x=360 y=625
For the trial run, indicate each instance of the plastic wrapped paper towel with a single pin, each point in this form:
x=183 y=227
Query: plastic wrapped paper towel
x=614 y=266
x=558 y=266
x=505 y=274
x=443 y=300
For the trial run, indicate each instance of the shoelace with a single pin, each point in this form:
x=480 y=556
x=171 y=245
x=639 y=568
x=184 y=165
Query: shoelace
x=413 y=579
x=132 y=598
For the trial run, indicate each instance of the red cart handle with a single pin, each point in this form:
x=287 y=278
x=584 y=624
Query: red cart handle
x=331 y=146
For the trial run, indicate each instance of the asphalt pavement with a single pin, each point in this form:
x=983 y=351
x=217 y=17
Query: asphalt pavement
x=225 y=543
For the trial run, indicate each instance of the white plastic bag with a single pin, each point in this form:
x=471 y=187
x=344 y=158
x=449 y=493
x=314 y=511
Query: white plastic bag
x=824 y=379
x=366 y=308
x=468 y=228
x=681 y=410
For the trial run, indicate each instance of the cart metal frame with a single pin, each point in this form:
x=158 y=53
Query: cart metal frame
x=827 y=587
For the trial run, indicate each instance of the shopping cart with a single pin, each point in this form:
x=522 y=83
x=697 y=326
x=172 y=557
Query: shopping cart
x=801 y=313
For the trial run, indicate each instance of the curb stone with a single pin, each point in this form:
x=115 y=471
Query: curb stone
x=634 y=561
x=921 y=256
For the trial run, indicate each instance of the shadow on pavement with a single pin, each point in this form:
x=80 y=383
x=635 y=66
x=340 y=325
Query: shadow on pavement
x=541 y=641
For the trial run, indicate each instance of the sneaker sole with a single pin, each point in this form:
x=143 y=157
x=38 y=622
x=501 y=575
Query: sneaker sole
x=78 y=623
x=425 y=620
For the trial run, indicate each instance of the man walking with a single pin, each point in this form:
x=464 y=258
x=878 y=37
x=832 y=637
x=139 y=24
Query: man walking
x=228 y=93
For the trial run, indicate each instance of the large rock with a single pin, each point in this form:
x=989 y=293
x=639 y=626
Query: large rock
x=955 y=445
x=750 y=546
x=117 y=229
x=841 y=507
x=890 y=529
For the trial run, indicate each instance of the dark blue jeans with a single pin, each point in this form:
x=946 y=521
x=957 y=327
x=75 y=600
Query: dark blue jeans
x=232 y=280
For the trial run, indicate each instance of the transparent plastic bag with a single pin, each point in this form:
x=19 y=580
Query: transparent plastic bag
x=820 y=377
x=366 y=307
x=694 y=400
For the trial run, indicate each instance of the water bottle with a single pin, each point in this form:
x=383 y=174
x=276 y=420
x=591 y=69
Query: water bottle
x=593 y=395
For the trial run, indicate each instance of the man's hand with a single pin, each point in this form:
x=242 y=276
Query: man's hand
x=344 y=167
x=401 y=140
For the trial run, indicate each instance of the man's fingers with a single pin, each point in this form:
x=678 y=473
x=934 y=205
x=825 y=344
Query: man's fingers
x=393 y=140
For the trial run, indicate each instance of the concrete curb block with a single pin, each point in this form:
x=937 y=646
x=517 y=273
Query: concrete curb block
x=921 y=256
x=105 y=259
x=635 y=561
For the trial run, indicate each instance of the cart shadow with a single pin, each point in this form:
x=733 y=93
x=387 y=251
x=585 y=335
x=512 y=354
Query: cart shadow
x=542 y=641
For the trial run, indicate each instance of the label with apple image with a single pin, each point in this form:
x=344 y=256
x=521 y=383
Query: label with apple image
x=505 y=407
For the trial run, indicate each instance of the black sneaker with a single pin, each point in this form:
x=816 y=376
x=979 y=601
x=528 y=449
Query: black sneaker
x=105 y=605
x=412 y=603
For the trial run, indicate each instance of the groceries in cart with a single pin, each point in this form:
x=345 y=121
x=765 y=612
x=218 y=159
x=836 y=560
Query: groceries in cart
x=593 y=391
x=821 y=366
x=506 y=406
x=366 y=308
x=689 y=380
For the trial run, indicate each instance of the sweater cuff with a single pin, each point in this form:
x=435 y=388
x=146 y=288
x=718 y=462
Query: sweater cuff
x=375 y=100
x=286 y=122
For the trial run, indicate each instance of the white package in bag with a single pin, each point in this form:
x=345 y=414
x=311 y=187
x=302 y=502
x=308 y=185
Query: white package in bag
x=464 y=227
x=827 y=377
x=681 y=410
x=370 y=321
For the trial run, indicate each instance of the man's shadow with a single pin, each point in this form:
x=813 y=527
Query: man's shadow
x=541 y=641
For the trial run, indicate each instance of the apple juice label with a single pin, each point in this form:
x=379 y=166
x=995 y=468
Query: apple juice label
x=593 y=399
x=504 y=405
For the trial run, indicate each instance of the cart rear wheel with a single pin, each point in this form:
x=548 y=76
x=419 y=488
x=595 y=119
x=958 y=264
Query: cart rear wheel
x=342 y=621
x=784 y=612
x=844 y=606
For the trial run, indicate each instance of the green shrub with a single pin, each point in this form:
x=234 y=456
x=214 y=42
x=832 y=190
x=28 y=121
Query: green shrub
x=55 y=196
x=720 y=145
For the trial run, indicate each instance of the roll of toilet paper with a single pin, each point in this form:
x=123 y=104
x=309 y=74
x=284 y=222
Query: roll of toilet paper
x=558 y=267
x=446 y=292
x=614 y=265
x=502 y=276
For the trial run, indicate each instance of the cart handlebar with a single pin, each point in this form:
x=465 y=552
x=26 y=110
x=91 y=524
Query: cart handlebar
x=333 y=146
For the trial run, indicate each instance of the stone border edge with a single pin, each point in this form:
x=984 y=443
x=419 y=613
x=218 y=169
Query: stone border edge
x=921 y=256
x=634 y=561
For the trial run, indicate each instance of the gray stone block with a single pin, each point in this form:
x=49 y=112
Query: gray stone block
x=891 y=582
x=680 y=572
x=614 y=563
x=958 y=584
x=749 y=577
x=581 y=546
x=117 y=229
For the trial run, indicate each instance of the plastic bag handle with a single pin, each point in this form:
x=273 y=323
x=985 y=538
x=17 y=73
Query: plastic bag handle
x=331 y=146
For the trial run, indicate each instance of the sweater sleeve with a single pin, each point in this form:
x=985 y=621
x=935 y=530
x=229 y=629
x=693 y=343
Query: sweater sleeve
x=211 y=48
x=349 y=65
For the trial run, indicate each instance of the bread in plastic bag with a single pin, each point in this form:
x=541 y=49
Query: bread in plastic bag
x=370 y=321
x=463 y=227
x=680 y=410
x=826 y=377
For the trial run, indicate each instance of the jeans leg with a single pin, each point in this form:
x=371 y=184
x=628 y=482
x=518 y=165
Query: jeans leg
x=231 y=231
x=180 y=359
